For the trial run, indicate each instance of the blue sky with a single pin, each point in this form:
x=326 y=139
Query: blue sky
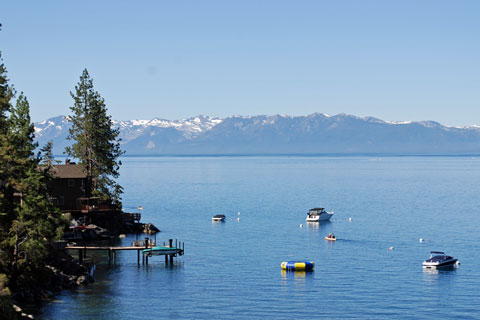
x=395 y=60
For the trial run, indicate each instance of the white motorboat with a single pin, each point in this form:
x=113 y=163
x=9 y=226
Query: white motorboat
x=218 y=218
x=439 y=259
x=318 y=214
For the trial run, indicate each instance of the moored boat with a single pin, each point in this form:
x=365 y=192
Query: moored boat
x=439 y=259
x=218 y=218
x=318 y=214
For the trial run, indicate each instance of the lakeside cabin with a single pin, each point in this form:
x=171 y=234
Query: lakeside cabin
x=68 y=188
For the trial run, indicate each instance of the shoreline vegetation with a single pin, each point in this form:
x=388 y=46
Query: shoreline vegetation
x=33 y=264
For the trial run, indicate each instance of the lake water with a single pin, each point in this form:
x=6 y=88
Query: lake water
x=231 y=270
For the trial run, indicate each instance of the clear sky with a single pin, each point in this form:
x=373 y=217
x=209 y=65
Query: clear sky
x=395 y=60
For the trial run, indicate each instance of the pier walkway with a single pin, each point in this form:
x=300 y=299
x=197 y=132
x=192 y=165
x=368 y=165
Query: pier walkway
x=147 y=250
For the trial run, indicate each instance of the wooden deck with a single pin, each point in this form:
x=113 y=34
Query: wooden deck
x=178 y=249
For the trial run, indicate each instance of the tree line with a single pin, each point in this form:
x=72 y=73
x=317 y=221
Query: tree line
x=29 y=222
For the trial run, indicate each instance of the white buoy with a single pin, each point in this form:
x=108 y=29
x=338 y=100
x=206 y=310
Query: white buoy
x=301 y=225
x=421 y=239
x=238 y=213
x=350 y=219
x=238 y=219
x=391 y=248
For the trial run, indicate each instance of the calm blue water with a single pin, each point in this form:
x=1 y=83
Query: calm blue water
x=232 y=270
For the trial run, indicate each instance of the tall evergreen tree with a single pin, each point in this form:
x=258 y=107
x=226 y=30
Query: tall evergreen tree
x=96 y=145
x=6 y=95
x=28 y=220
x=6 y=189
x=46 y=154
x=35 y=222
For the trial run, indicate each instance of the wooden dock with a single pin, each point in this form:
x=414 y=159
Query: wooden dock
x=169 y=251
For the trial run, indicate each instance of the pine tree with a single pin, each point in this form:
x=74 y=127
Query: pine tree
x=36 y=222
x=46 y=154
x=96 y=145
x=28 y=220
x=6 y=188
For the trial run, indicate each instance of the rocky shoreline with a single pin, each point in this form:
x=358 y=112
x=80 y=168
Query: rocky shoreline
x=63 y=272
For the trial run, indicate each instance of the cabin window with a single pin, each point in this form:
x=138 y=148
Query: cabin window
x=70 y=182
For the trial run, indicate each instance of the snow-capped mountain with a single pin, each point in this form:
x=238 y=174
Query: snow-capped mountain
x=278 y=134
x=190 y=128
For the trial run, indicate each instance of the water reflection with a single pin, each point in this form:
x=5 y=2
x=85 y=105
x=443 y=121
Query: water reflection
x=433 y=274
x=317 y=225
x=313 y=225
x=296 y=275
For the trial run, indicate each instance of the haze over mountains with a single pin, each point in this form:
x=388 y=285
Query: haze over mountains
x=278 y=134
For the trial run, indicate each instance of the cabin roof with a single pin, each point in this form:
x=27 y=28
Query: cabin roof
x=68 y=171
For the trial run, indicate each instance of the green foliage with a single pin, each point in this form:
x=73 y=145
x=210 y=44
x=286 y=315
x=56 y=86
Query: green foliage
x=46 y=155
x=6 y=188
x=96 y=145
x=6 y=95
x=28 y=220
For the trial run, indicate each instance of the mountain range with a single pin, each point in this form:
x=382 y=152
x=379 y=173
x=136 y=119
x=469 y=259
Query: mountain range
x=278 y=134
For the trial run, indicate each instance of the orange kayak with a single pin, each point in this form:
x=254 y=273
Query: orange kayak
x=330 y=239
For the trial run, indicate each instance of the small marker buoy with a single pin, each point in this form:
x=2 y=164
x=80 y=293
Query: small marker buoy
x=421 y=239
x=238 y=219
x=238 y=213
x=350 y=219
x=390 y=248
x=140 y=208
x=301 y=225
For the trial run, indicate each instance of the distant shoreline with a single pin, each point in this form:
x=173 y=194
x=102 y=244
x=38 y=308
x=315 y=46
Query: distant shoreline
x=300 y=155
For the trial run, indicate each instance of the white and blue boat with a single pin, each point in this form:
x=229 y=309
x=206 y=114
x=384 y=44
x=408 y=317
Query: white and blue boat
x=318 y=214
x=218 y=218
x=439 y=259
